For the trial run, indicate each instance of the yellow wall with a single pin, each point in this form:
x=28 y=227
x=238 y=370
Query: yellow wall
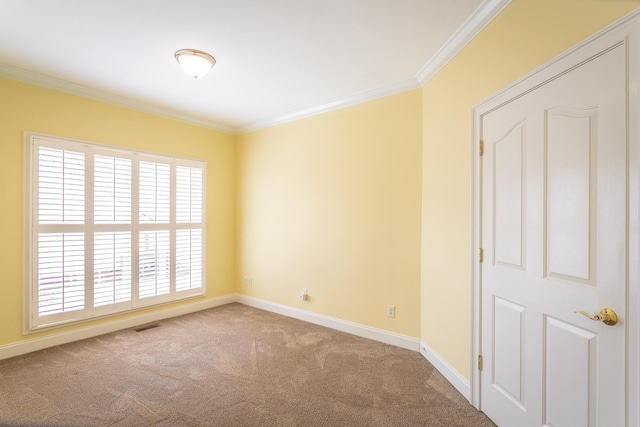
x=525 y=35
x=365 y=206
x=29 y=108
x=331 y=203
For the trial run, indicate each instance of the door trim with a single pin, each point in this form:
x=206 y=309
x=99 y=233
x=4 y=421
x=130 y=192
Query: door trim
x=625 y=31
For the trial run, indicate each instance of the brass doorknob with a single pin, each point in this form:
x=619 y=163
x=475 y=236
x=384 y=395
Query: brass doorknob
x=606 y=315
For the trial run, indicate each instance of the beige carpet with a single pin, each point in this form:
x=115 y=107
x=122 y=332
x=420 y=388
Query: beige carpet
x=229 y=366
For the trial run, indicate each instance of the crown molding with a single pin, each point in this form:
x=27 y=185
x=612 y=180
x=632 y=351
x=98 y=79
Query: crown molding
x=483 y=15
x=47 y=82
x=358 y=98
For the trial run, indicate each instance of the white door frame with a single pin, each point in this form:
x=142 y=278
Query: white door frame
x=624 y=31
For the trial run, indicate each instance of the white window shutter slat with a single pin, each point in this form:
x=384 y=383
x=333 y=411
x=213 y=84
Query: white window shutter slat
x=112 y=268
x=188 y=259
x=154 y=263
x=61 y=272
x=112 y=190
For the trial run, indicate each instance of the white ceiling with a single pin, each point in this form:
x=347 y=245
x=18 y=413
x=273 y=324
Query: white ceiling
x=276 y=59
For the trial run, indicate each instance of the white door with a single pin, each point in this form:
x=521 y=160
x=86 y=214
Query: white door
x=554 y=233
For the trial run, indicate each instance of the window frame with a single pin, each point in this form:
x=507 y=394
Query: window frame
x=33 y=322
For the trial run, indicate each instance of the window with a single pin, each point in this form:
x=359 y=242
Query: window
x=110 y=230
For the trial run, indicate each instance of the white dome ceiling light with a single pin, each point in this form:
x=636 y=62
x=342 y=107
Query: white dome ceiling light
x=195 y=62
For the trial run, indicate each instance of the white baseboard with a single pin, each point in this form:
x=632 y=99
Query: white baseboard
x=28 y=346
x=331 y=322
x=36 y=344
x=458 y=381
x=454 y=377
x=398 y=340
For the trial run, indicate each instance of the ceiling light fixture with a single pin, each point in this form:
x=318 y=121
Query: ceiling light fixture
x=195 y=62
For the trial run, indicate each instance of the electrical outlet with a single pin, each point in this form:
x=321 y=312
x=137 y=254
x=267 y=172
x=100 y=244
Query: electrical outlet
x=391 y=311
x=303 y=294
x=248 y=281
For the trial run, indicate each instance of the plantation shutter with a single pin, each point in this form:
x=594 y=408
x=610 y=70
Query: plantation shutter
x=112 y=244
x=111 y=230
x=60 y=242
x=189 y=239
x=155 y=245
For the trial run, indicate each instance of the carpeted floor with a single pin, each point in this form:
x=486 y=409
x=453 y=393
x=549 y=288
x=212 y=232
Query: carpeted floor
x=229 y=366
